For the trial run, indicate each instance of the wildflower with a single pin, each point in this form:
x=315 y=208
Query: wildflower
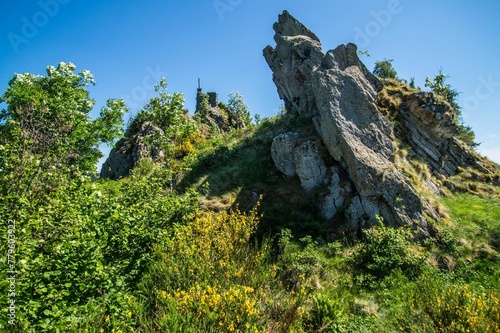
x=129 y=314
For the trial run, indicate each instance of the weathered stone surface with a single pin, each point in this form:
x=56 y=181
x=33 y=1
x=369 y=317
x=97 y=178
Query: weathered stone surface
x=338 y=93
x=427 y=125
x=339 y=191
x=297 y=54
x=131 y=149
x=282 y=153
x=303 y=159
x=310 y=167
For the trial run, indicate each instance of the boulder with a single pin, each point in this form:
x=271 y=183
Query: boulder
x=282 y=153
x=339 y=192
x=310 y=167
x=303 y=159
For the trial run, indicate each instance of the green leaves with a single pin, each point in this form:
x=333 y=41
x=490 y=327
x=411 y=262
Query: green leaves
x=48 y=117
x=239 y=115
x=385 y=70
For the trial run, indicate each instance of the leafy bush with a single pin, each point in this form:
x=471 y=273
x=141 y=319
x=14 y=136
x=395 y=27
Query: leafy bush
x=47 y=117
x=328 y=313
x=82 y=250
x=208 y=275
x=299 y=263
x=384 y=250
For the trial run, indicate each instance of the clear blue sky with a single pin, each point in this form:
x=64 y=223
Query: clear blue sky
x=127 y=44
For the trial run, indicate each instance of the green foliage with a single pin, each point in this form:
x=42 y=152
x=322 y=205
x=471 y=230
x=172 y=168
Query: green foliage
x=328 y=313
x=84 y=249
x=239 y=115
x=438 y=86
x=384 y=69
x=210 y=277
x=132 y=256
x=384 y=250
x=166 y=111
x=299 y=262
x=47 y=117
x=439 y=305
x=202 y=107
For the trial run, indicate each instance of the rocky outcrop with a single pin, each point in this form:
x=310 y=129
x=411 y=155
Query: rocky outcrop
x=338 y=93
x=129 y=150
x=427 y=124
x=339 y=195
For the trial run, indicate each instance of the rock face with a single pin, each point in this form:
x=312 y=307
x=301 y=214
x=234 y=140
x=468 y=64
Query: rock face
x=282 y=153
x=303 y=159
x=309 y=165
x=339 y=193
x=427 y=125
x=338 y=93
x=129 y=150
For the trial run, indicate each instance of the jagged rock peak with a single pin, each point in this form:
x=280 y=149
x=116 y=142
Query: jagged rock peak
x=338 y=93
x=288 y=25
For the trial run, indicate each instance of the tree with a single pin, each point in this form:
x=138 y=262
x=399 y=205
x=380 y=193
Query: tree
x=384 y=69
x=47 y=128
x=239 y=115
x=439 y=87
x=51 y=115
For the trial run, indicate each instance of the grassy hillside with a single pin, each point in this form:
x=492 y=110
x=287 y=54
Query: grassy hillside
x=236 y=247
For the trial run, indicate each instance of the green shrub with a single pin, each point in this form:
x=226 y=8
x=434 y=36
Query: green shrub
x=383 y=250
x=328 y=313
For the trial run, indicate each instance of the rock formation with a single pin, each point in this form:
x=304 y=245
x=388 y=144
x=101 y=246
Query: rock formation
x=129 y=150
x=302 y=159
x=338 y=93
x=427 y=124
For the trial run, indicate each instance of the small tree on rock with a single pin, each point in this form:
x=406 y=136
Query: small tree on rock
x=384 y=69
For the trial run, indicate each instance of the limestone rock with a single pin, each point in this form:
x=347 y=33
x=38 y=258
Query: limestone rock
x=310 y=167
x=131 y=149
x=339 y=191
x=338 y=92
x=282 y=153
x=303 y=159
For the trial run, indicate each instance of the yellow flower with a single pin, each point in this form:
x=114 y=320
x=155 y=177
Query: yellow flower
x=106 y=319
x=129 y=314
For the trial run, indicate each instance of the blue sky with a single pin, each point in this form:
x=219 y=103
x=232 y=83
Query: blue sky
x=128 y=45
